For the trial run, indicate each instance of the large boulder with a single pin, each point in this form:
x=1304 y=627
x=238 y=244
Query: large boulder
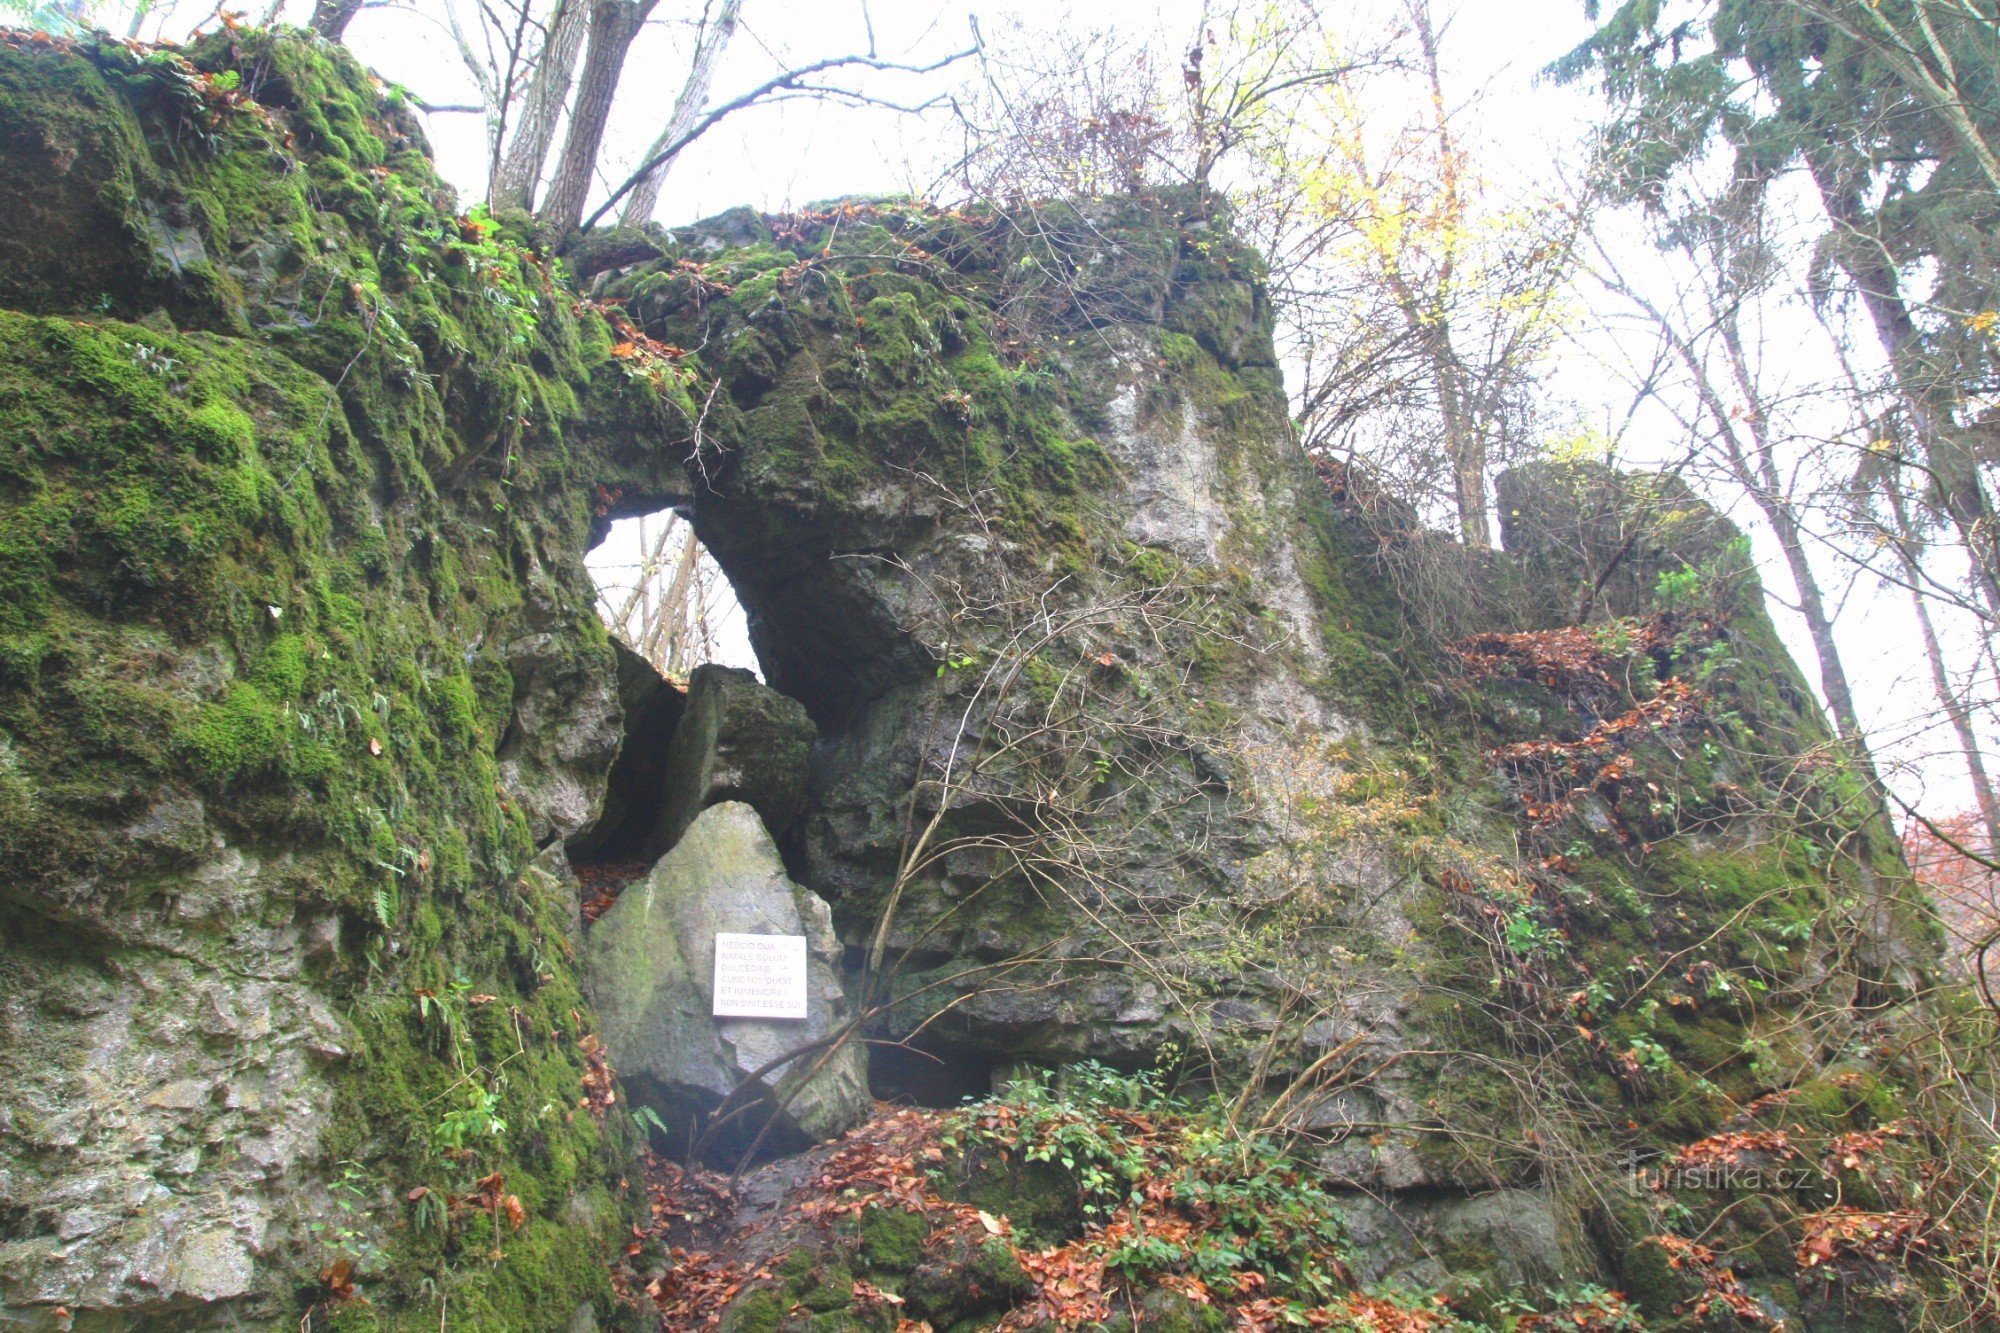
x=739 y=740
x=650 y=963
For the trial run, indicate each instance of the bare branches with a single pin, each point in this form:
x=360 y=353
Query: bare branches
x=791 y=79
x=668 y=604
x=710 y=42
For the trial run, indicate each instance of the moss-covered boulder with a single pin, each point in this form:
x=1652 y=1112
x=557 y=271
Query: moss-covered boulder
x=301 y=680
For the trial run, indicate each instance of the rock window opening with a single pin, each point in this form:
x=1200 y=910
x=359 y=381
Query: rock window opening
x=700 y=726
x=670 y=610
x=663 y=596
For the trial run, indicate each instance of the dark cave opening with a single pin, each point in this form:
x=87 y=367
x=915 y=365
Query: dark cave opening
x=929 y=1074
x=653 y=708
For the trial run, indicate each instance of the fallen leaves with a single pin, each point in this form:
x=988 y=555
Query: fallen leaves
x=604 y=881
x=1376 y=1314
x=1730 y=1148
x=1719 y=1285
x=1573 y=660
x=1562 y=770
x=644 y=358
x=1069 y=1290
x=600 y=1092
x=1590 y=667
x=489 y=1195
x=696 y=1287
x=1851 y=1151
x=1839 y=1233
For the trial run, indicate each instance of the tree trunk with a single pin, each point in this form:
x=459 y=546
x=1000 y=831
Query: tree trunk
x=613 y=26
x=1467 y=448
x=513 y=185
x=645 y=196
x=1784 y=522
x=1465 y=443
x=1954 y=470
x=679 y=654
x=1756 y=471
x=1904 y=540
x=331 y=17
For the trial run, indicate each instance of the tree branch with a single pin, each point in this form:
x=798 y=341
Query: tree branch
x=791 y=79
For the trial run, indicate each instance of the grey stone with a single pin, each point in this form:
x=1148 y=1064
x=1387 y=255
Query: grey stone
x=565 y=731
x=211 y=1266
x=1515 y=1227
x=652 y=708
x=739 y=740
x=1502 y=1238
x=649 y=963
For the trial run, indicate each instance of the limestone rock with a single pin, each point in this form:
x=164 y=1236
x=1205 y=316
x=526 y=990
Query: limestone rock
x=739 y=740
x=1425 y=1238
x=300 y=671
x=653 y=708
x=649 y=963
x=557 y=755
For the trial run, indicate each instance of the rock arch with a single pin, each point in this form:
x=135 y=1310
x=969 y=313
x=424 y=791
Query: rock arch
x=302 y=700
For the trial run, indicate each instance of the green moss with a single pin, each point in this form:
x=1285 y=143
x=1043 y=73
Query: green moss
x=1652 y=1281
x=237 y=734
x=1040 y=1199
x=226 y=563
x=281 y=671
x=759 y=1311
x=283 y=559
x=892 y=1240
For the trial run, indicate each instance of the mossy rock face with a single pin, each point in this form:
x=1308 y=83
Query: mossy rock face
x=892 y=1240
x=73 y=228
x=967 y=1281
x=300 y=670
x=302 y=694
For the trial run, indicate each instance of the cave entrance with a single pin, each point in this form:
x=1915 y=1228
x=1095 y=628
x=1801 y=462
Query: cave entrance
x=922 y=1073
x=819 y=618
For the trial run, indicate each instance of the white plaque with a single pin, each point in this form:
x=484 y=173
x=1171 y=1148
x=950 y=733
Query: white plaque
x=760 y=976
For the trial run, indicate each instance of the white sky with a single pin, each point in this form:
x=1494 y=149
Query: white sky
x=781 y=156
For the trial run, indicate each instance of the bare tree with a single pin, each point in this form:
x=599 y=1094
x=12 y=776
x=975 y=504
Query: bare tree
x=1416 y=297
x=540 y=72
x=1738 y=420
x=711 y=39
x=613 y=26
x=518 y=172
x=666 y=606
x=1901 y=537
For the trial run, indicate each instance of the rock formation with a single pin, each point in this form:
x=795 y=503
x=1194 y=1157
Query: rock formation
x=1123 y=744
x=649 y=966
